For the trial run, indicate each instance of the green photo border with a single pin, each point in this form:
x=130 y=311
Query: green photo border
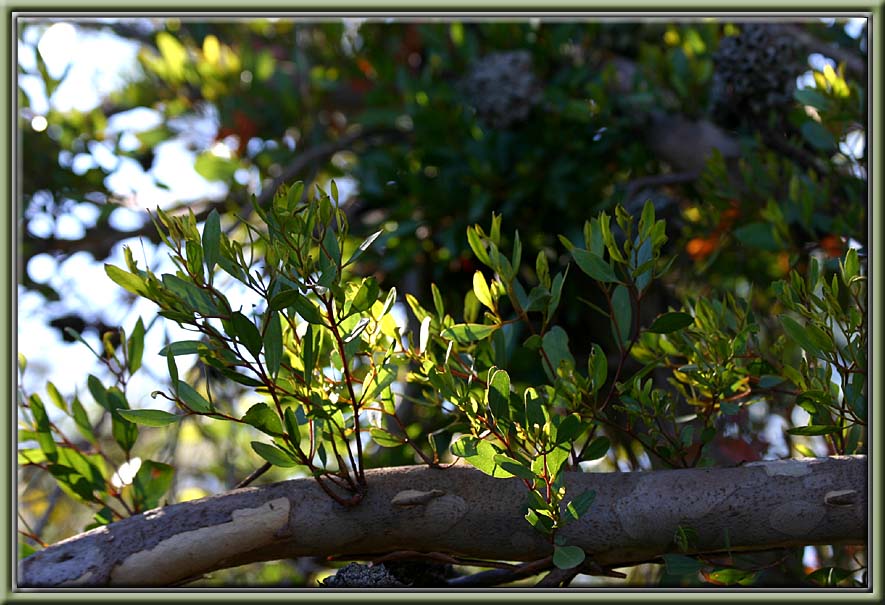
x=10 y=266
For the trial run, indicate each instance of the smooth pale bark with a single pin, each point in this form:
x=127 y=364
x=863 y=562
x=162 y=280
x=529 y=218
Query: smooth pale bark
x=462 y=511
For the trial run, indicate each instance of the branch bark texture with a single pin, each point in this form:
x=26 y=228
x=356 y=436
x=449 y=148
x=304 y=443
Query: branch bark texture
x=464 y=512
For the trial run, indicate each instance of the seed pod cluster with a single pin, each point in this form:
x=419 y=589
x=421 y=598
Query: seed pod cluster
x=755 y=73
x=502 y=88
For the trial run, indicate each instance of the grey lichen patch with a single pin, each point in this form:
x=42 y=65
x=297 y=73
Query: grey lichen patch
x=845 y=497
x=796 y=518
x=787 y=468
x=445 y=512
x=191 y=552
x=688 y=498
x=414 y=497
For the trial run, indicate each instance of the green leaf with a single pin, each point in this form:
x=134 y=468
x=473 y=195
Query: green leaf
x=364 y=246
x=357 y=329
x=128 y=281
x=555 y=459
x=514 y=467
x=829 y=576
x=437 y=301
x=263 y=418
x=81 y=419
x=97 y=390
x=813 y=98
x=211 y=240
x=467 y=333
x=308 y=311
x=566 y=557
x=72 y=483
x=294 y=299
x=192 y=399
x=809 y=337
x=273 y=454
x=194 y=297
x=385 y=438
x=331 y=248
x=135 y=346
x=480 y=454
x=646 y=221
x=622 y=315
x=556 y=349
x=533 y=342
x=851 y=267
x=173 y=370
x=293 y=196
x=273 y=343
x=246 y=333
x=150 y=417
x=44 y=431
x=481 y=289
x=184 y=347
x=542 y=523
x=365 y=296
x=498 y=395
x=819 y=137
x=813 y=429
x=125 y=433
x=569 y=428
x=284 y=299
x=478 y=247
x=542 y=269
x=534 y=410
x=151 y=482
x=292 y=428
x=214 y=168
x=556 y=292
x=307 y=354
x=670 y=322
x=730 y=577
x=389 y=301
x=580 y=505
x=594 y=266
x=56 y=397
x=597 y=367
x=597 y=449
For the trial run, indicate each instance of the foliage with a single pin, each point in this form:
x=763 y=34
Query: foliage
x=582 y=328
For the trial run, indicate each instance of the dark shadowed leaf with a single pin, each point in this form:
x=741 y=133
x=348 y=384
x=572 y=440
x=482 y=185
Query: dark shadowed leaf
x=566 y=557
x=211 y=240
x=594 y=266
x=670 y=322
x=247 y=333
x=263 y=418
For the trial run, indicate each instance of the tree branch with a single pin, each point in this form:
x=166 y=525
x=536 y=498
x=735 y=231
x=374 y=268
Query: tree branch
x=469 y=514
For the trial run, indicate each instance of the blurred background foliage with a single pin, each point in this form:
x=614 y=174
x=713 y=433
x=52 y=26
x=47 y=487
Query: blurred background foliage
x=749 y=137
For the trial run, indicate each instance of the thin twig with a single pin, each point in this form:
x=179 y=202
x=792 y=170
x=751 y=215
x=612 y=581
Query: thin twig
x=254 y=475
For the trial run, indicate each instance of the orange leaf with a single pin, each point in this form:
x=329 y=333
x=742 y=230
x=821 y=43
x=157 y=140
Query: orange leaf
x=700 y=248
x=832 y=246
